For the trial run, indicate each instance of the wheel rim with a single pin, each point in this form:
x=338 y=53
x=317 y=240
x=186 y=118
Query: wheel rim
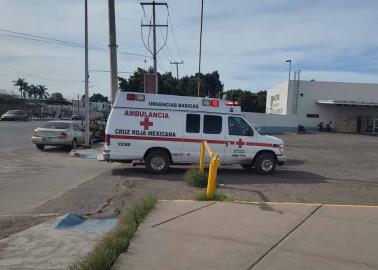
x=157 y=163
x=267 y=165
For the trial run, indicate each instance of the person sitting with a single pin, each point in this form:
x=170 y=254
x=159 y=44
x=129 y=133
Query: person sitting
x=321 y=127
x=328 y=127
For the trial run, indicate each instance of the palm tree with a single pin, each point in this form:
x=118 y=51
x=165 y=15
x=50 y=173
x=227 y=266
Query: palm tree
x=22 y=86
x=42 y=92
x=33 y=91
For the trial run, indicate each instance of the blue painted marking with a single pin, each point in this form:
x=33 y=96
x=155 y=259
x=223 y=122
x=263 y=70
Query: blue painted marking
x=77 y=223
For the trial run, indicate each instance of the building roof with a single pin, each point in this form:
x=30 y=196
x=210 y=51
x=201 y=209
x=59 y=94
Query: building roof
x=347 y=102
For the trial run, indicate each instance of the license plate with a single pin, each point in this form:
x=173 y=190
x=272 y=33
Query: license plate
x=46 y=139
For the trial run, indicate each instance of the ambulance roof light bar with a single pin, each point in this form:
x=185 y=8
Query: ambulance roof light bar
x=210 y=102
x=137 y=97
x=232 y=103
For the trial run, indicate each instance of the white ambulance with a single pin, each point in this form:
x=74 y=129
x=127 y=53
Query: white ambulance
x=161 y=130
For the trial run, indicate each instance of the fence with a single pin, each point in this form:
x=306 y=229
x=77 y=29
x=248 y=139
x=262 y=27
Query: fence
x=213 y=168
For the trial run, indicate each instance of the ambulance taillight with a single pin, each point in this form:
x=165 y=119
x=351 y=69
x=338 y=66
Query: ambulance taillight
x=107 y=139
x=137 y=97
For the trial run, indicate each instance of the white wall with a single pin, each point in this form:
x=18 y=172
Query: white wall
x=277 y=99
x=313 y=91
x=273 y=123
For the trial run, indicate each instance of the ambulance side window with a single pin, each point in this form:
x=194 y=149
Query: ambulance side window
x=192 y=123
x=237 y=126
x=212 y=124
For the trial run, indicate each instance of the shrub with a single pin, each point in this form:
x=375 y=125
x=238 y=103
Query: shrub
x=117 y=240
x=196 y=179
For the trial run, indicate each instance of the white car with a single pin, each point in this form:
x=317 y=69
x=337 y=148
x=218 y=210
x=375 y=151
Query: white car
x=160 y=130
x=59 y=133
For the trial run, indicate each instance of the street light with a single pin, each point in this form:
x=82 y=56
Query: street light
x=289 y=61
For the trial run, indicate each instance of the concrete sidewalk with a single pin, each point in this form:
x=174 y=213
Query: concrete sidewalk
x=208 y=235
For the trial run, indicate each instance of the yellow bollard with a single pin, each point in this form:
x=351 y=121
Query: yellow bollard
x=202 y=158
x=210 y=188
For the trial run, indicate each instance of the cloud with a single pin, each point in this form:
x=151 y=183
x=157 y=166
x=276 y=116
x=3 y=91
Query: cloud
x=246 y=41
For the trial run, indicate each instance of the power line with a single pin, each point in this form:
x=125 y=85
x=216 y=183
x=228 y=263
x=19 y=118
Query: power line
x=153 y=25
x=38 y=38
x=173 y=34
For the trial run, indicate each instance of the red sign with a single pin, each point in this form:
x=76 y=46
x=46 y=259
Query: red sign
x=150 y=83
x=146 y=123
x=240 y=143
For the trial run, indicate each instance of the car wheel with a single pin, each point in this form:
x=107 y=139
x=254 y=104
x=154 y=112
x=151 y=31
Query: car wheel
x=157 y=162
x=40 y=146
x=265 y=163
x=74 y=144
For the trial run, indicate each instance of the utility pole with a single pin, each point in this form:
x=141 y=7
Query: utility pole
x=177 y=63
x=78 y=103
x=154 y=25
x=86 y=77
x=113 y=51
x=200 y=54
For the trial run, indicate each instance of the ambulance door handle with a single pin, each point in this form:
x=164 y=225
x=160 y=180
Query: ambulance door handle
x=226 y=144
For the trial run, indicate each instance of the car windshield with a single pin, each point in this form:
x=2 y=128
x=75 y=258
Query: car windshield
x=56 y=125
x=14 y=112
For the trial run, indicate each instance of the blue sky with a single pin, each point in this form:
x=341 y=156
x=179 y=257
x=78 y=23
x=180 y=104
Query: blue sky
x=246 y=41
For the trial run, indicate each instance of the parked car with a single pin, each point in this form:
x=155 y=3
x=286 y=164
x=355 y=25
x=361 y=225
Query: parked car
x=77 y=116
x=59 y=133
x=15 y=115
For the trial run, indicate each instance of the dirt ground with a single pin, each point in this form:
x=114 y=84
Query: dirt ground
x=321 y=168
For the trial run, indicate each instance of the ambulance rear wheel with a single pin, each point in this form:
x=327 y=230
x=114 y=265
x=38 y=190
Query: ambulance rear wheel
x=265 y=163
x=157 y=162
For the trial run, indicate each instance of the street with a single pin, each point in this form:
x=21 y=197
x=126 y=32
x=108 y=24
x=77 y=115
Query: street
x=29 y=177
x=321 y=168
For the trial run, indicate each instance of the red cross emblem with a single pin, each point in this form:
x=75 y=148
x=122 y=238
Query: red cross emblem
x=240 y=143
x=146 y=123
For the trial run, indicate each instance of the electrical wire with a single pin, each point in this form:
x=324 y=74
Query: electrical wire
x=25 y=36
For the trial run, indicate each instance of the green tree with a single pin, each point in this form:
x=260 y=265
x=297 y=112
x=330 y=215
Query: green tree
x=22 y=86
x=169 y=85
x=32 y=91
x=249 y=102
x=42 y=92
x=57 y=97
x=98 y=98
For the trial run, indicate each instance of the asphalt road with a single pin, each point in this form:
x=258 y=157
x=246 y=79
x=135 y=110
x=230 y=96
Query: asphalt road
x=29 y=177
x=16 y=135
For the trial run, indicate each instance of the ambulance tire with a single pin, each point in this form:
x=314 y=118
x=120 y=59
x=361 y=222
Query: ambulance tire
x=265 y=163
x=157 y=161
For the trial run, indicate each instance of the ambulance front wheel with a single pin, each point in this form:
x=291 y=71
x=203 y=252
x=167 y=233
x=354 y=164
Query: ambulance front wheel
x=265 y=163
x=157 y=162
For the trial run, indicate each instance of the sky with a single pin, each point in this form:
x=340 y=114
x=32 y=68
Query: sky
x=246 y=41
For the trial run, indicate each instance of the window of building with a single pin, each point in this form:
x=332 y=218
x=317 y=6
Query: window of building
x=193 y=123
x=237 y=126
x=212 y=124
x=312 y=115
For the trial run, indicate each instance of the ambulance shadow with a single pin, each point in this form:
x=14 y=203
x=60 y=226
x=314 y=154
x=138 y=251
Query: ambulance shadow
x=56 y=149
x=294 y=162
x=240 y=177
x=173 y=174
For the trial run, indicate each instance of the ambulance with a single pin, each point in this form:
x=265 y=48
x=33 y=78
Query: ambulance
x=163 y=130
